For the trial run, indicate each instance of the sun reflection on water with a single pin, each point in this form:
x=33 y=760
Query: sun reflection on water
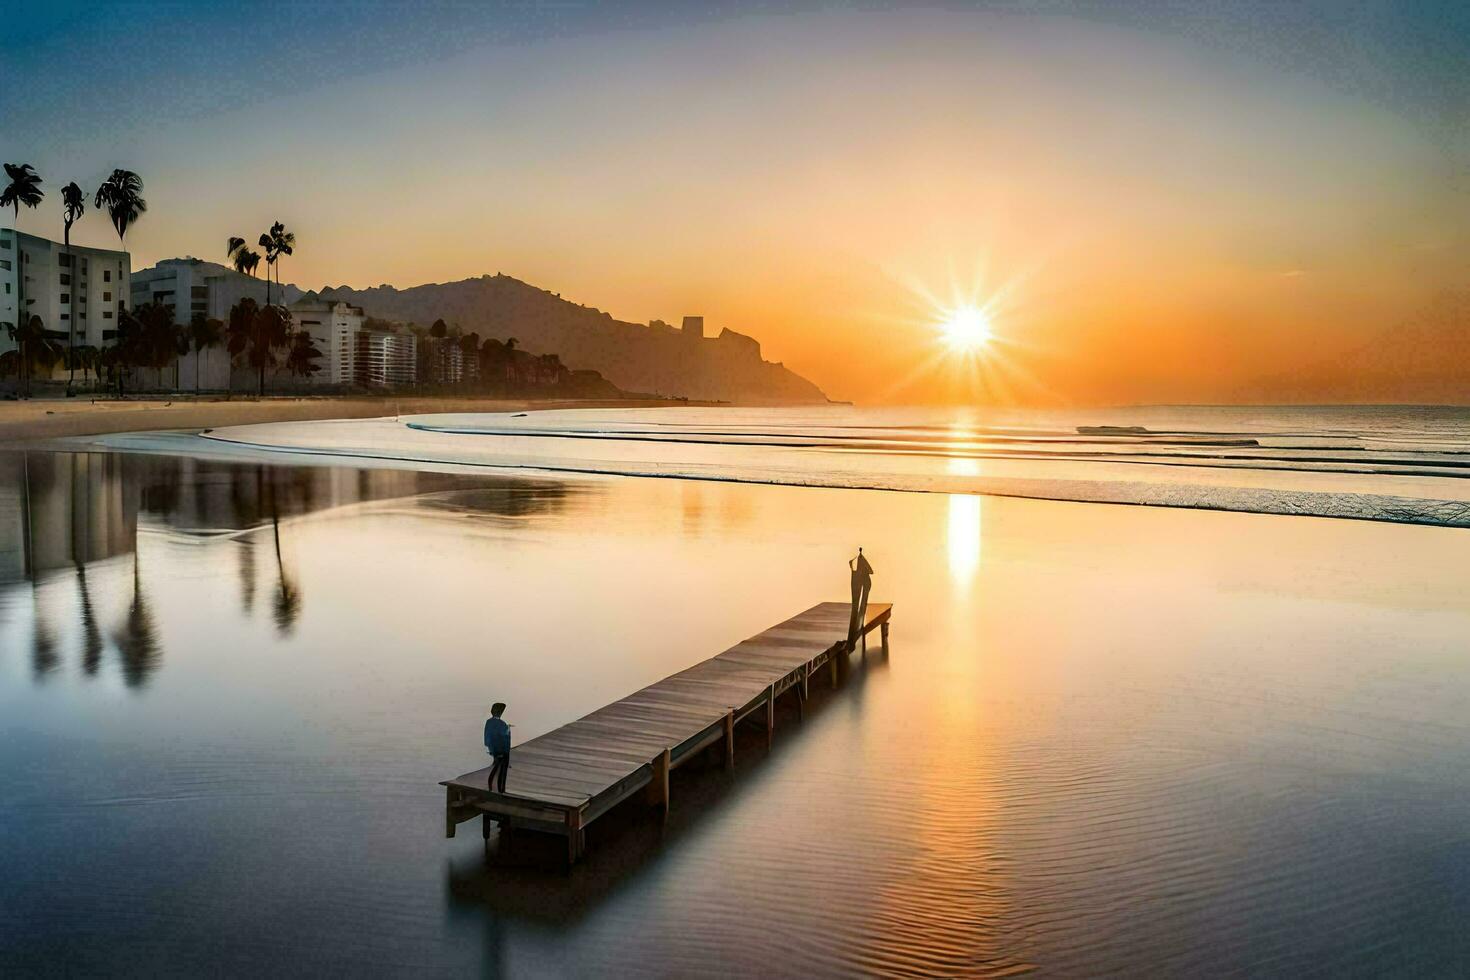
x=963 y=529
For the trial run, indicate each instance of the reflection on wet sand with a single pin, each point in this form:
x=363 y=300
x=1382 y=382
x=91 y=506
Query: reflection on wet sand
x=78 y=511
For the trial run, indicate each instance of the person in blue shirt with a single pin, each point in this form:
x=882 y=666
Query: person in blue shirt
x=497 y=743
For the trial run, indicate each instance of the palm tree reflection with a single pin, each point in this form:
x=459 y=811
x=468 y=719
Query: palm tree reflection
x=44 y=658
x=91 y=635
x=137 y=640
x=288 y=599
x=245 y=551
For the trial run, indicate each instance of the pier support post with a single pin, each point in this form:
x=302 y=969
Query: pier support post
x=832 y=662
x=730 y=740
x=884 y=632
x=658 y=786
x=770 y=715
x=576 y=843
x=451 y=798
x=485 y=822
x=804 y=692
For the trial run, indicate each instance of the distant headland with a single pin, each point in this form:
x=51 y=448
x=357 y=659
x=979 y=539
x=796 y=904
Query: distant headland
x=655 y=357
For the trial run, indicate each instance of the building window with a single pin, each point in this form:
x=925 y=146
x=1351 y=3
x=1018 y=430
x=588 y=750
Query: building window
x=66 y=316
x=199 y=292
x=107 y=314
x=65 y=279
x=64 y=260
x=4 y=263
x=66 y=297
x=107 y=297
x=107 y=275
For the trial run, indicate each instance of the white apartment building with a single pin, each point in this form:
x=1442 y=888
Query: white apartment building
x=77 y=293
x=385 y=358
x=334 y=326
x=189 y=286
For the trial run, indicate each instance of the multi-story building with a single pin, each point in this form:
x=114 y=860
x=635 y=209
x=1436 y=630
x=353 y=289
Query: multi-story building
x=440 y=361
x=189 y=285
x=386 y=358
x=334 y=326
x=77 y=292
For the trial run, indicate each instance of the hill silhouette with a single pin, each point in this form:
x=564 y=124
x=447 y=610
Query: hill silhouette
x=655 y=358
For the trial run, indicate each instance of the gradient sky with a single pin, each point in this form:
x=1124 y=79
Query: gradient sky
x=1244 y=201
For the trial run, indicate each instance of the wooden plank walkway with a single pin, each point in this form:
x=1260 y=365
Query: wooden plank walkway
x=561 y=781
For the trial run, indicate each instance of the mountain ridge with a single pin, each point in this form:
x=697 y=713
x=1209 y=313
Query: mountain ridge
x=653 y=357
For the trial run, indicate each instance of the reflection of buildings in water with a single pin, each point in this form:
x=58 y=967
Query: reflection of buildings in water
x=71 y=510
x=58 y=509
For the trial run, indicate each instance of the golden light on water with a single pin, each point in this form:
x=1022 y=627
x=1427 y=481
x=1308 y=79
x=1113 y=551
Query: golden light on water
x=964 y=539
x=963 y=527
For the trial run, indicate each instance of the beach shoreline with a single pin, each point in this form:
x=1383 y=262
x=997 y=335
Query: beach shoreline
x=39 y=419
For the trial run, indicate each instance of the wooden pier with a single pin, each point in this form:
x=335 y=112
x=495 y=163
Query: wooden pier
x=562 y=781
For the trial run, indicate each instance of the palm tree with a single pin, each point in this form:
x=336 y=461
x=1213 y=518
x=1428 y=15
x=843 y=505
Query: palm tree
x=74 y=205
x=122 y=196
x=203 y=332
x=84 y=357
x=32 y=344
x=245 y=259
x=258 y=332
x=24 y=188
x=181 y=338
x=278 y=242
x=146 y=337
x=240 y=330
x=301 y=359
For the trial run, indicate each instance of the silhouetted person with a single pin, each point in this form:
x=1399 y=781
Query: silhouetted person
x=497 y=743
x=862 y=581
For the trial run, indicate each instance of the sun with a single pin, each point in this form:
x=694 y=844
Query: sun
x=966 y=328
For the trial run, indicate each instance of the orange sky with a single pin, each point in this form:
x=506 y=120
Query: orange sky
x=1154 y=220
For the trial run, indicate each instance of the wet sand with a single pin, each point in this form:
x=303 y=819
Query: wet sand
x=61 y=418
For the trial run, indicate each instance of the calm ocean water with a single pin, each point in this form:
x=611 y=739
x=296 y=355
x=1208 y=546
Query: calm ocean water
x=1377 y=463
x=1105 y=740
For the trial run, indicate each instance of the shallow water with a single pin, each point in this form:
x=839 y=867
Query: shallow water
x=1401 y=464
x=1104 y=739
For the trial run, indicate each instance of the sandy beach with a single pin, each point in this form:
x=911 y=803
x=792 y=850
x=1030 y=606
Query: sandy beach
x=61 y=418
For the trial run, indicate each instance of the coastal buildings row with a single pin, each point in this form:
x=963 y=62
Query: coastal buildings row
x=79 y=295
x=77 y=292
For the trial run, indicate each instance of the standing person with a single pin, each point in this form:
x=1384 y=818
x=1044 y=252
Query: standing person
x=862 y=581
x=497 y=743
